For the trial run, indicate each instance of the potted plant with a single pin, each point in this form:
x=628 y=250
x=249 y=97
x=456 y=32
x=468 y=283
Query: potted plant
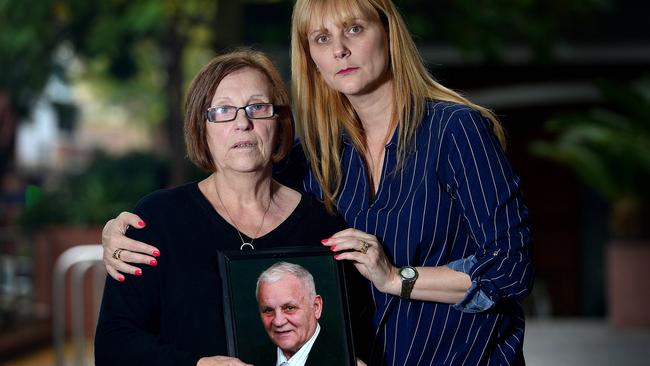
x=609 y=150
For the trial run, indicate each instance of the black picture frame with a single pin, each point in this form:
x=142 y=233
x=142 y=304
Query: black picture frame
x=246 y=337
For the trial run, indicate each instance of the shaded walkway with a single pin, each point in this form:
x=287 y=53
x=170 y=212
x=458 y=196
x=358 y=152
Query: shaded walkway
x=581 y=341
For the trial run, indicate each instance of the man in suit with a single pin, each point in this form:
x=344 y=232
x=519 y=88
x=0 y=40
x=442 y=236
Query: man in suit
x=290 y=308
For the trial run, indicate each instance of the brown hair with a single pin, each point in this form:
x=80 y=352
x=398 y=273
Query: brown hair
x=202 y=89
x=323 y=113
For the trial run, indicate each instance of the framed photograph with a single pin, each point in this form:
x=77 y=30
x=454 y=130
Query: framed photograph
x=250 y=325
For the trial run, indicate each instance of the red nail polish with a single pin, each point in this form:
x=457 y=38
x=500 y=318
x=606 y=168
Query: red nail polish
x=120 y=278
x=324 y=241
x=138 y=272
x=155 y=253
x=153 y=262
x=336 y=256
x=333 y=248
x=141 y=223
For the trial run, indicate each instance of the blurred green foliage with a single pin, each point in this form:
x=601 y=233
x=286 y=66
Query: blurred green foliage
x=106 y=187
x=133 y=52
x=29 y=34
x=132 y=48
x=485 y=28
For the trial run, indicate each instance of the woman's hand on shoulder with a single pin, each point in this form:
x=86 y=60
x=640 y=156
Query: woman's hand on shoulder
x=368 y=256
x=119 y=250
x=221 y=361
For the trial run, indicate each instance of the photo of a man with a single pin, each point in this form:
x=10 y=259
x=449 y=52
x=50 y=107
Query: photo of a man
x=286 y=306
x=290 y=308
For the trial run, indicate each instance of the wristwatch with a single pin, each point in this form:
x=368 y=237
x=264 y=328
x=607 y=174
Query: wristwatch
x=408 y=275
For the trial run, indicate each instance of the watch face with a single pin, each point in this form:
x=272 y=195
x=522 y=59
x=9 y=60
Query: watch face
x=407 y=273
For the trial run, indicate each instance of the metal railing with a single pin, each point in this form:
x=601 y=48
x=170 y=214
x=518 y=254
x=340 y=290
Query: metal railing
x=77 y=261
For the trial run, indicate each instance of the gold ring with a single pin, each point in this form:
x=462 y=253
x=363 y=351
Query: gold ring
x=364 y=247
x=116 y=254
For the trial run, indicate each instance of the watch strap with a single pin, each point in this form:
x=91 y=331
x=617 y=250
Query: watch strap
x=407 y=283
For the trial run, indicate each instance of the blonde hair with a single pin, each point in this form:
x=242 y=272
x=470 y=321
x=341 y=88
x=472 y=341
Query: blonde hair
x=323 y=113
x=202 y=89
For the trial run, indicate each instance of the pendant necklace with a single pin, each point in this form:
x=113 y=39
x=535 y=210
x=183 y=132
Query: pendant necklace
x=244 y=244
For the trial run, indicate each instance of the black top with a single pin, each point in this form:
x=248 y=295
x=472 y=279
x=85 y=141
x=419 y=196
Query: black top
x=173 y=313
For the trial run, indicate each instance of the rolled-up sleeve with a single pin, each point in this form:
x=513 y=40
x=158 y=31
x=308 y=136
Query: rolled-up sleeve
x=475 y=300
x=479 y=176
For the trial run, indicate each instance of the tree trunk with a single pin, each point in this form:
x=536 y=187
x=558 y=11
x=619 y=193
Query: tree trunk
x=173 y=47
x=7 y=134
x=229 y=24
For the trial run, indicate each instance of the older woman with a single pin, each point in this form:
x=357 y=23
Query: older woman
x=236 y=124
x=437 y=220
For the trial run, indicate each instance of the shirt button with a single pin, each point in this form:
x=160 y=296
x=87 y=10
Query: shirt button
x=495 y=253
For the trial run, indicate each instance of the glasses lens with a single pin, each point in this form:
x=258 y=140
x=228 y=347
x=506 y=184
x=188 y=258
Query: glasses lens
x=259 y=110
x=229 y=113
x=221 y=114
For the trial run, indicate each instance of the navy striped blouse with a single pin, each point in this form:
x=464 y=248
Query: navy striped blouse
x=455 y=198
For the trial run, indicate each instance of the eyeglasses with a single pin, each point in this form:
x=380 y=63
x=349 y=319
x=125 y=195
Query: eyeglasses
x=226 y=113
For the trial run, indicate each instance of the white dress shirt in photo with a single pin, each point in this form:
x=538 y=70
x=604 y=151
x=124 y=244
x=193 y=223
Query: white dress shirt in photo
x=299 y=358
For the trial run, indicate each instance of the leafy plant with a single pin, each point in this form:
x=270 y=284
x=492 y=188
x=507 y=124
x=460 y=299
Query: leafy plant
x=108 y=186
x=609 y=150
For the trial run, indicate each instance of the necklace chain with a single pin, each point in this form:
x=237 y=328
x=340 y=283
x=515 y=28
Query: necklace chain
x=243 y=243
